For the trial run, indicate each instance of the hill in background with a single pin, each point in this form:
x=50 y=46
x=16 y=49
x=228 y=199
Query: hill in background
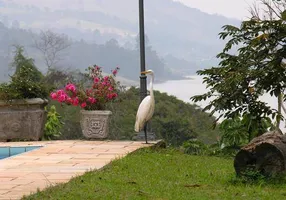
x=183 y=39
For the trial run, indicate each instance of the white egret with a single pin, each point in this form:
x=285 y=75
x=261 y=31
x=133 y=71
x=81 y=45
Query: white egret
x=146 y=108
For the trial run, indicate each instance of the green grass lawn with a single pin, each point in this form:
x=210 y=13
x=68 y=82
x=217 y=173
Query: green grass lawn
x=164 y=174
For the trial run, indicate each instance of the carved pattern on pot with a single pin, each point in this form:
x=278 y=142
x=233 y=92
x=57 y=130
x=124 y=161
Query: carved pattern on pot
x=96 y=127
x=21 y=122
x=94 y=124
x=15 y=126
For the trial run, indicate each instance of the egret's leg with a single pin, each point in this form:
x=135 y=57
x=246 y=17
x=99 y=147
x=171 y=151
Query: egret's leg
x=145 y=131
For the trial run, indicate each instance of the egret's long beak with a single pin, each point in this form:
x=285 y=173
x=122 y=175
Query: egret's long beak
x=145 y=72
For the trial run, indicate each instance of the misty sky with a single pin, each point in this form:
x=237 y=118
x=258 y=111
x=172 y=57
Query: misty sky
x=229 y=8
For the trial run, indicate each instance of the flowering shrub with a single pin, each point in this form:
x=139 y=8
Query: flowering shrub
x=103 y=89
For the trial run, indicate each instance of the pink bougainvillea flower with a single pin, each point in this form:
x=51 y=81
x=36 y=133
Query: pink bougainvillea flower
x=110 y=88
x=54 y=95
x=108 y=83
x=60 y=92
x=109 y=96
x=114 y=72
x=69 y=100
x=62 y=98
x=96 y=80
x=97 y=67
x=73 y=88
x=114 y=95
x=75 y=101
x=91 y=100
x=104 y=83
x=83 y=105
x=70 y=87
x=106 y=78
x=87 y=92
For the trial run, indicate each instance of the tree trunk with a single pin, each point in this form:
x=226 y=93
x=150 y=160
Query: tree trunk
x=280 y=102
x=265 y=154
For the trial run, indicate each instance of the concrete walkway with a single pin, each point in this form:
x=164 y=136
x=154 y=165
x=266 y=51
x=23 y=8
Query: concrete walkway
x=56 y=162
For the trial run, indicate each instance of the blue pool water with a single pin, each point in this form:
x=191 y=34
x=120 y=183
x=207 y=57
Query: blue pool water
x=6 y=152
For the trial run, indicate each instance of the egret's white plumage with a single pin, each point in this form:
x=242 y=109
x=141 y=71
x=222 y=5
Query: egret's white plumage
x=144 y=113
x=146 y=107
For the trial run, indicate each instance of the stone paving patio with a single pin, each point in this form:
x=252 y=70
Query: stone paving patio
x=56 y=162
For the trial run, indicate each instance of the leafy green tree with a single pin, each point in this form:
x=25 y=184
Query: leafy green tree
x=260 y=46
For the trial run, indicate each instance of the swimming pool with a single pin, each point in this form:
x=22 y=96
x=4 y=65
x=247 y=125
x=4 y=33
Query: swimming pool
x=6 y=152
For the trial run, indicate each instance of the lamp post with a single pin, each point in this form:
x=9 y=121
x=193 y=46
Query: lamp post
x=143 y=84
x=143 y=77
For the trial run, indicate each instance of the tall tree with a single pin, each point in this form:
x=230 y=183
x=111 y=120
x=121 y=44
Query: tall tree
x=271 y=10
x=260 y=56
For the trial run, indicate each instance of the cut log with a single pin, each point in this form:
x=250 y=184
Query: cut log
x=265 y=154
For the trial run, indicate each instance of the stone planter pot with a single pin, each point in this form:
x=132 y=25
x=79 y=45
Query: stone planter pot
x=95 y=123
x=22 y=119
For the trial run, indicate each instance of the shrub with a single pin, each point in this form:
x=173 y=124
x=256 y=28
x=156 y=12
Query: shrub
x=26 y=82
x=195 y=147
x=53 y=125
